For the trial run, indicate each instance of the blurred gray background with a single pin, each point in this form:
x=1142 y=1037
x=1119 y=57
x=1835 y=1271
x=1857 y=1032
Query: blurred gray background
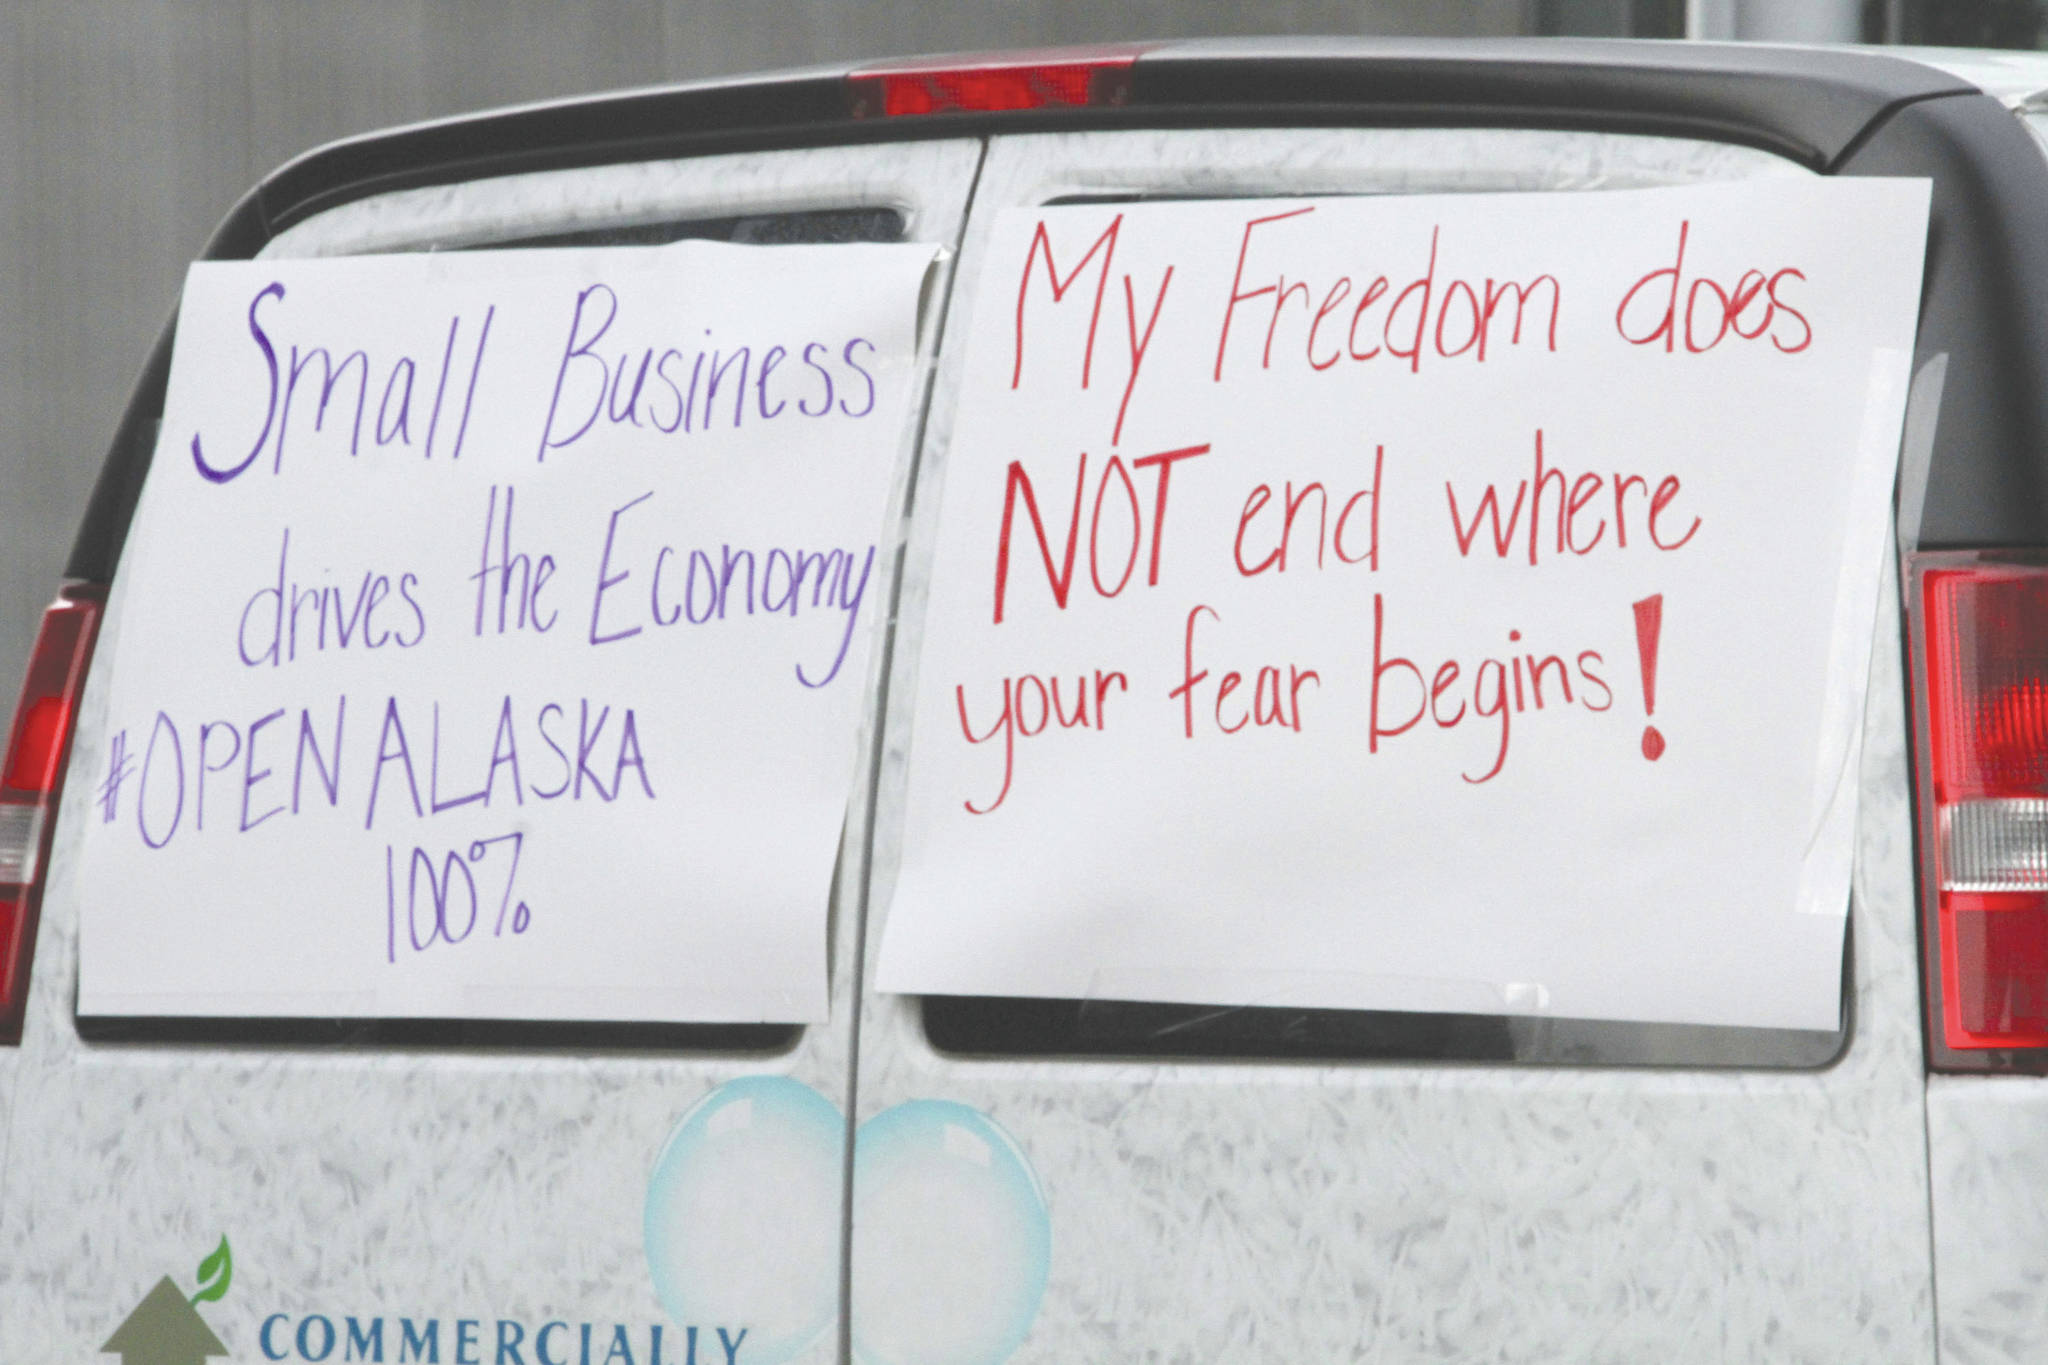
x=129 y=127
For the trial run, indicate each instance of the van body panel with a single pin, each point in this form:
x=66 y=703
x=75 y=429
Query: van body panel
x=1987 y=1148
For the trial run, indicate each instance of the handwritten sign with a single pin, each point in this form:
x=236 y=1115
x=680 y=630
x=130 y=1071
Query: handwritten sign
x=1433 y=603
x=492 y=635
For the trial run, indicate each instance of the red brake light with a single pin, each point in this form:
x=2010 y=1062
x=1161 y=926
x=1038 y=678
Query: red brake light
x=1015 y=81
x=33 y=777
x=39 y=739
x=1984 y=694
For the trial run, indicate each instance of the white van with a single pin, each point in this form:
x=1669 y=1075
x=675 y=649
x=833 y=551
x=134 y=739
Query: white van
x=1317 y=987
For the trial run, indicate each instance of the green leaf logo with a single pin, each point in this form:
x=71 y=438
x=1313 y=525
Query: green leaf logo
x=221 y=1263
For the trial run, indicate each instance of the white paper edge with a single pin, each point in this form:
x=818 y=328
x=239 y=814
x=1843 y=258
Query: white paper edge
x=1824 y=870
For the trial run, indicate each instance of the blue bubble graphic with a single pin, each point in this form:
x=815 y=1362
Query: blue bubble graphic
x=951 y=1241
x=742 y=1218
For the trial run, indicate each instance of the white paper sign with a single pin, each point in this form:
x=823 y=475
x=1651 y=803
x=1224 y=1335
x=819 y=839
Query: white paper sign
x=1433 y=603
x=491 y=637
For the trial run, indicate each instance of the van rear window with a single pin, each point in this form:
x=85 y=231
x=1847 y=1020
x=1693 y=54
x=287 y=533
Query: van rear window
x=1297 y=677
x=1019 y=1027
x=284 y=1026
x=798 y=228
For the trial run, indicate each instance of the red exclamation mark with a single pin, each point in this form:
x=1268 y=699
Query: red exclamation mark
x=1649 y=621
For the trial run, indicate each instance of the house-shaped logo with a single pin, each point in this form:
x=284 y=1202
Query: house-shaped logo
x=165 y=1328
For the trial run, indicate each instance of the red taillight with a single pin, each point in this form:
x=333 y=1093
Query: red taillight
x=32 y=778
x=1016 y=81
x=1983 y=643
x=39 y=740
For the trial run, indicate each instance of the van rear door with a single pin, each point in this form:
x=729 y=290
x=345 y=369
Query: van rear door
x=457 y=1187
x=1195 y=1182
